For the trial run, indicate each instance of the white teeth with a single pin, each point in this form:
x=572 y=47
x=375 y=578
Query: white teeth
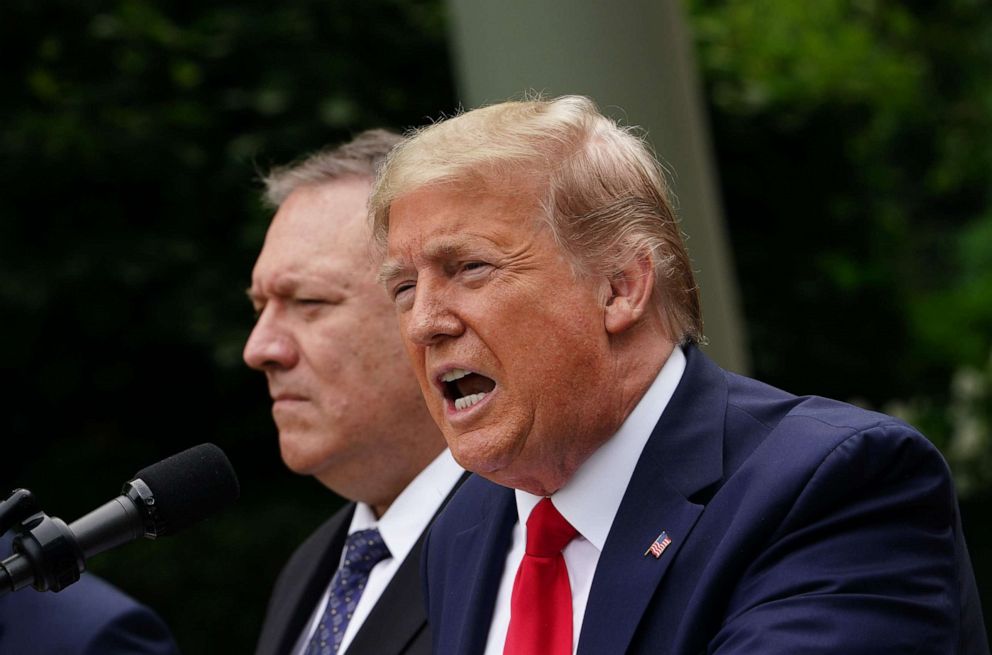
x=468 y=401
x=456 y=374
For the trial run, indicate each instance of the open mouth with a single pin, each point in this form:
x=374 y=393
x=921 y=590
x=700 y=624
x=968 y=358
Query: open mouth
x=465 y=388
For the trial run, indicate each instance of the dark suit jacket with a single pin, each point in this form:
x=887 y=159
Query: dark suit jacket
x=89 y=617
x=798 y=525
x=397 y=625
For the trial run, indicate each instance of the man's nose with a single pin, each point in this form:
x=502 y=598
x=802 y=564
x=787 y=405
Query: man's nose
x=432 y=317
x=270 y=345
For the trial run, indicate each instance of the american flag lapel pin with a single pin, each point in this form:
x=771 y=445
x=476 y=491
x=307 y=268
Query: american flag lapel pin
x=659 y=545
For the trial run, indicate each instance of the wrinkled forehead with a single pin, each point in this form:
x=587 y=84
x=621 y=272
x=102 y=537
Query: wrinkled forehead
x=476 y=202
x=518 y=181
x=446 y=223
x=518 y=184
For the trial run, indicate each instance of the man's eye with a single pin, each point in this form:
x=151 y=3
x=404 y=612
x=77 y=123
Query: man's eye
x=475 y=273
x=311 y=305
x=471 y=267
x=403 y=295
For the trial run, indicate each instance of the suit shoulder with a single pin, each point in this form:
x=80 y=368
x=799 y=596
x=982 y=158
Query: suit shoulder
x=772 y=411
x=824 y=449
x=302 y=578
x=309 y=555
x=832 y=501
x=840 y=430
x=779 y=441
x=91 y=616
x=130 y=627
x=327 y=530
x=315 y=546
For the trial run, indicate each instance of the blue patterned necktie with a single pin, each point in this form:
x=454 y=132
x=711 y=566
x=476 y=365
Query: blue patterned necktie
x=363 y=550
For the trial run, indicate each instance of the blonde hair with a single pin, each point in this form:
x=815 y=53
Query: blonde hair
x=360 y=157
x=600 y=188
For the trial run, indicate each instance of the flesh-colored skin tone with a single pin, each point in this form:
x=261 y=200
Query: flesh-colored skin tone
x=479 y=284
x=347 y=405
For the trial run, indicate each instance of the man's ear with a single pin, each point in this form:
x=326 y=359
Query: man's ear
x=629 y=294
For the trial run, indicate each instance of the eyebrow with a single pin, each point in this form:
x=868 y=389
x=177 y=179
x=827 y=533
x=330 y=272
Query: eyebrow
x=389 y=271
x=440 y=250
x=283 y=285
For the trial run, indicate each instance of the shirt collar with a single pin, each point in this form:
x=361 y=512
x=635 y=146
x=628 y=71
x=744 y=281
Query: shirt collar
x=590 y=500
x=407 y=517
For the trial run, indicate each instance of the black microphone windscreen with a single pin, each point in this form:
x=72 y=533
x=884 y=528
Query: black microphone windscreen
x=189 y=486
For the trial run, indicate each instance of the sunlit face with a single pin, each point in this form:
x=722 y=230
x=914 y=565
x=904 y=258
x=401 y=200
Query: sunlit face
x=508 y=344
x=346 y=403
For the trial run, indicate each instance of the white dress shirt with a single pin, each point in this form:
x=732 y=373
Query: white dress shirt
x=400 y=526
x=589 y=501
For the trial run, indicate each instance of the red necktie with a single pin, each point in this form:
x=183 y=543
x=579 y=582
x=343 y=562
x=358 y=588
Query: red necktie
x=541 y=605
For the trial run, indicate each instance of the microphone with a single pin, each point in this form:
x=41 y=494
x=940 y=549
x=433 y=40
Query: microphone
x=160 y=500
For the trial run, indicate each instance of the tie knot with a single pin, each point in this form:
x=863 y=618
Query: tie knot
x=547 y=531
x=363 y=550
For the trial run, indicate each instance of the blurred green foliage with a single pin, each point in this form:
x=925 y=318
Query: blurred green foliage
x=855 y=149
x=854 y=140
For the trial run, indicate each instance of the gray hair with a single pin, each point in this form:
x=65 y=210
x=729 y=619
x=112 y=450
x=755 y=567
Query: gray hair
x=360 y=157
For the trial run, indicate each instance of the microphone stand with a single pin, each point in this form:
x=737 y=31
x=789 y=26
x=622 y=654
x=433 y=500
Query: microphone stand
x=46 y=553
x=20 y=505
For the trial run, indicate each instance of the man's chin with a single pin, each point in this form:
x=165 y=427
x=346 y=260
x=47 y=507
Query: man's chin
x=474 y=455
x=499 y=460
x=299 y=456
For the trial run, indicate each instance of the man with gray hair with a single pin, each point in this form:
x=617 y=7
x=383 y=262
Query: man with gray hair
x=349 y=413
x=631 y=496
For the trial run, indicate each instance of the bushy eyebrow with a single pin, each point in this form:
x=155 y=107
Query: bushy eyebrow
x=389 y=271
x=438 y=251
x=444 y=250
x=255 y=296
x=284 y=284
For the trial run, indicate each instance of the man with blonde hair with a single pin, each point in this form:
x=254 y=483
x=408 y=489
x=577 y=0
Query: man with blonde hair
x=631 y=496
x=349 y=413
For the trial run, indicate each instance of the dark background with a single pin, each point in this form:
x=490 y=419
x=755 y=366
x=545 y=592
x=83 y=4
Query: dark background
x=854 y=141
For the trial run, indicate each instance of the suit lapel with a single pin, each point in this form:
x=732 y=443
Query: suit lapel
x=470 y=603
x=399 y=614
x=626 y=578
x=302 y=584
x=682 y=458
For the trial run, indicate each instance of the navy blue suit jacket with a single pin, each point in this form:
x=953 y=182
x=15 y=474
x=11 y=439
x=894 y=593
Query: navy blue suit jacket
x=798 y=525
x=90 y=617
